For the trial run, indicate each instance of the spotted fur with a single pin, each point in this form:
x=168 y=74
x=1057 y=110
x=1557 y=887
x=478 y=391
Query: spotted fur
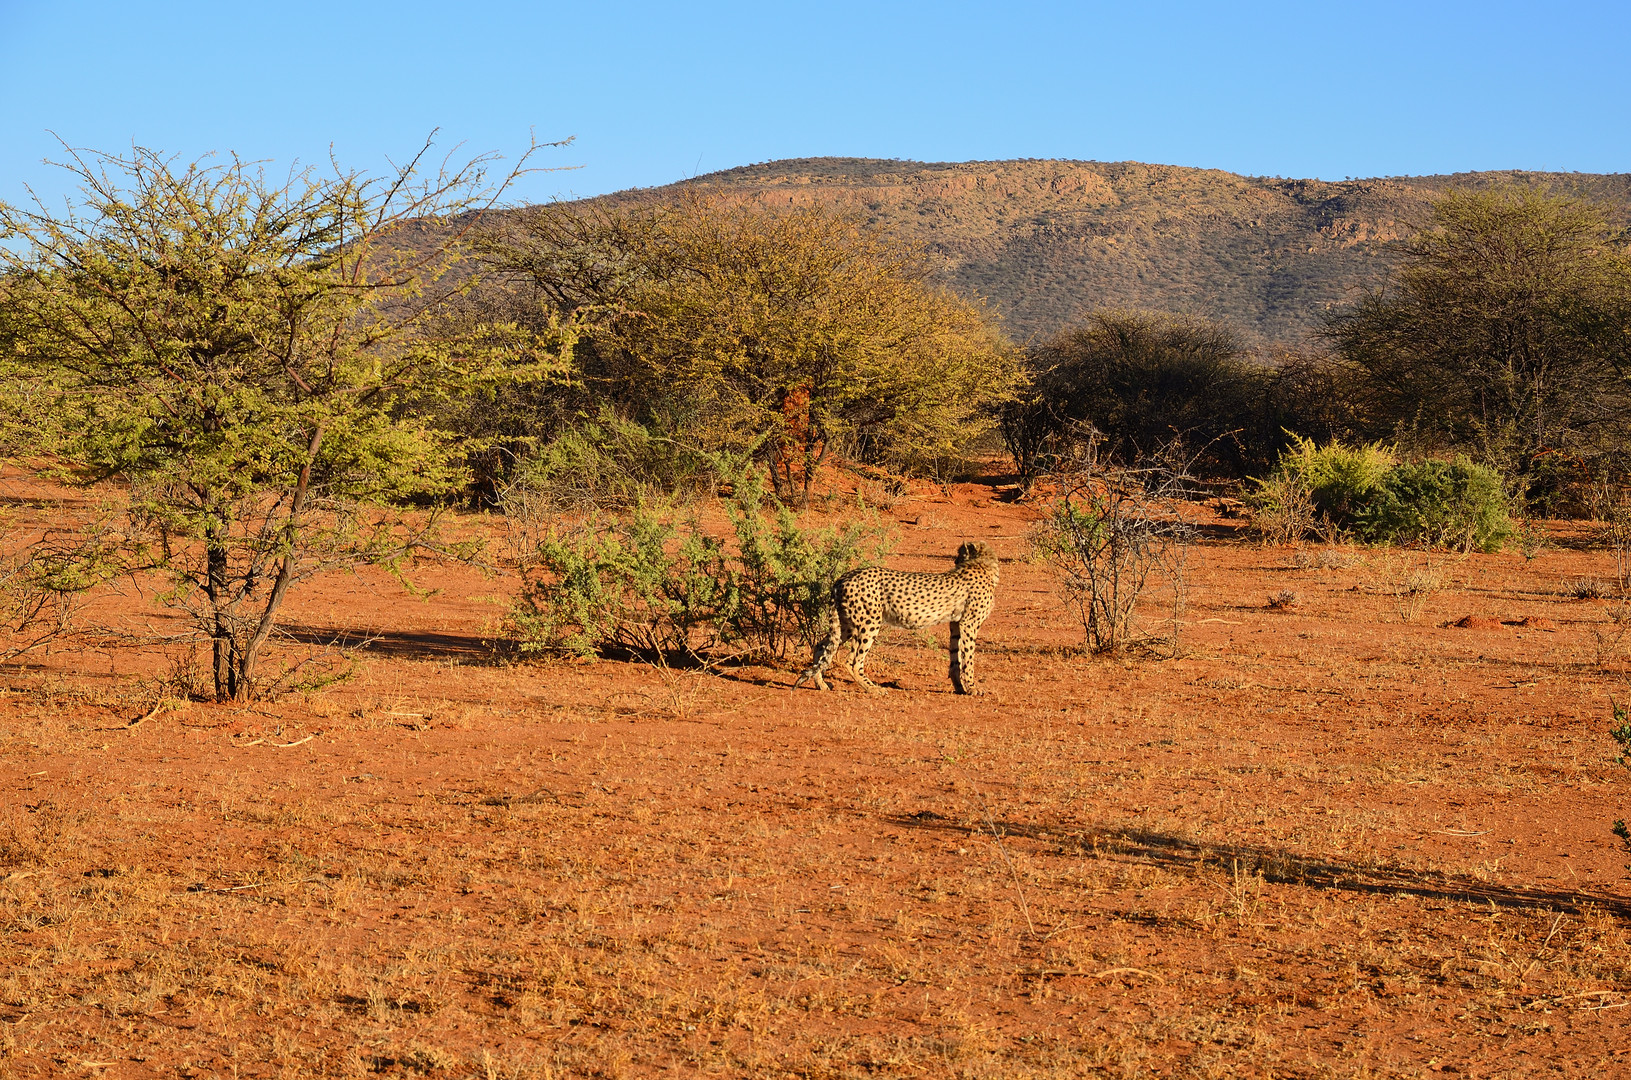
x=864 y=600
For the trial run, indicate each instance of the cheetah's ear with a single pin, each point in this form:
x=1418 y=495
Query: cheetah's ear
x=974 y=551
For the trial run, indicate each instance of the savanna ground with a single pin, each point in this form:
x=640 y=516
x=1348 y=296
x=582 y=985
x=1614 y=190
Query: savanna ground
x=1342 y=837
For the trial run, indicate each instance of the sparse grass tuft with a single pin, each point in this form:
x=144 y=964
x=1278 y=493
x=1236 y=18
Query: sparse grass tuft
x=1409 y=582
x=1585 y=589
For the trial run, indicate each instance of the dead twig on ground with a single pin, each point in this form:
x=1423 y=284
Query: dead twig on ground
x=1019 y=886
x=516 y=800
x=150 y=714
x=277 y=745
x=1125 y=971
x=202 y=888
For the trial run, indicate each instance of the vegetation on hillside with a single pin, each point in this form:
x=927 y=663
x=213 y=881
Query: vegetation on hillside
x=1049 y=242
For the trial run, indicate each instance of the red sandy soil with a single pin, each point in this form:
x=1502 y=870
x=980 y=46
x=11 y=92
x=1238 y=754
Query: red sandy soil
x=1339 y=837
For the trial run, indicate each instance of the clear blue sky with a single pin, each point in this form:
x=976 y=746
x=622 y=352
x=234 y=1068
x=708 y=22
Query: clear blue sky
x=657 y=92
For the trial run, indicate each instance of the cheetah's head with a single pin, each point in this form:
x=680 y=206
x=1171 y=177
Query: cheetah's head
x=975 y=551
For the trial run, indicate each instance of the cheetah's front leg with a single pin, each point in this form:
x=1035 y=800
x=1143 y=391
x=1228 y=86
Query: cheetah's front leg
x=857 y=661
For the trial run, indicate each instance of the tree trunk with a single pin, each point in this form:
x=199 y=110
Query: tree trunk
x=215 y=587
x=815 y=452
x=286 y=569
x=245 y=671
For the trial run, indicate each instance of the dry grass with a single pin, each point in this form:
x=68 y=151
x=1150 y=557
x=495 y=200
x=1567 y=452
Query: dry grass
x=1411 y=581
x=1331 y=842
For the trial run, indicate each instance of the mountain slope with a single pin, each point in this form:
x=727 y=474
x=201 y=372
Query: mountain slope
x=1046 y=241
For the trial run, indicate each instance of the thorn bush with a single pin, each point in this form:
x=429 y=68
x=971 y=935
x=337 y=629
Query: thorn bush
x=654 y=584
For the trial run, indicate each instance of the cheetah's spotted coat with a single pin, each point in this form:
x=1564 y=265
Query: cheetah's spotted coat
x=864 y=600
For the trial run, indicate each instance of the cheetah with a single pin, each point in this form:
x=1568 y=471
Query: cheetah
x=864 y=600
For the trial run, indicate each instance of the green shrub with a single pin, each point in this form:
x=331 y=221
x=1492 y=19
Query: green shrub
x=607 y=462
x=1621 y=734
x=1336 y=479
x=783 y=574
x=654 y=585
x=1365 y=491
x=627 y=586
x=1453 y=504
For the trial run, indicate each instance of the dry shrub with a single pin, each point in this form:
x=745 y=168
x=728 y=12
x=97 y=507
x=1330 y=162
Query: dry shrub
x=46 y=580
x=1285 y=513
x=1411 y=583
x=1608 y=642
x=1614 y=511
x=1110 y=535
x=878 y=489
x=1328 y=558
x=1585 y=589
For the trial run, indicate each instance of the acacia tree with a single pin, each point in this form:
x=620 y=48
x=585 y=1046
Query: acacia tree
x=1131 y=383
x=1505 y=331
x=734 y=327
x=244 y=356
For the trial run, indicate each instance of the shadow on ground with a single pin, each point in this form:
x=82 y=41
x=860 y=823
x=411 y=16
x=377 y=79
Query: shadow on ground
x=412 y=645
x=1136 y=845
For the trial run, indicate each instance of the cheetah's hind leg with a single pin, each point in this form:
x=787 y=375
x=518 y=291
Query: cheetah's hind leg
x=823 y=657
x=815 y=679
x=962 y=659
x=813 y=673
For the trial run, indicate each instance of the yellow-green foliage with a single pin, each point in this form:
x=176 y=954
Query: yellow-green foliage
x=246 y=357
x=1366 y=491
x=1337 y=478
x=653 y=583
x=788 y=333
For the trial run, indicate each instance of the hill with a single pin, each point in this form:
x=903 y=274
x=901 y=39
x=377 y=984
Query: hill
x=1046 y=241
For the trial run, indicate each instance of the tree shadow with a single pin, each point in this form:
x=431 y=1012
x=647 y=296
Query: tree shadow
x=398 y=644
x=1161 y=849
x=1580 y=542
x=1218 y=533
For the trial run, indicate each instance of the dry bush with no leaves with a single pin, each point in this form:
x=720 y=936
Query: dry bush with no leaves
x=1111 y=534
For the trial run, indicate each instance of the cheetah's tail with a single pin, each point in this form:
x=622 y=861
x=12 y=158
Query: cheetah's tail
x=824 y=650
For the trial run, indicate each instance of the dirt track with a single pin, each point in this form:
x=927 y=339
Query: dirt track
x=1346 y=838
